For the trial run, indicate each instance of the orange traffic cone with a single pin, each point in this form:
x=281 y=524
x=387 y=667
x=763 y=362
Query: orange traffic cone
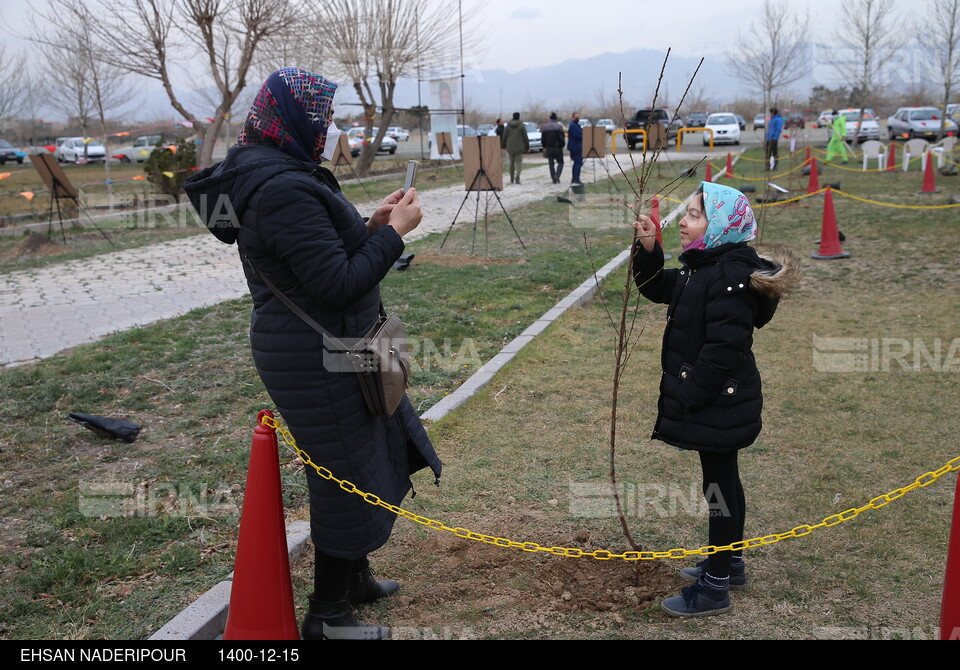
x=950 y=609
x=829 y=237
x=929 y=181
x=709 y=171
x=892 y=158
x=261 y=600
x=729 y=174
x=806 y=158
x=814 y=184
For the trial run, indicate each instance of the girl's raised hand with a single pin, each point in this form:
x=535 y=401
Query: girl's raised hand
x=646 y=231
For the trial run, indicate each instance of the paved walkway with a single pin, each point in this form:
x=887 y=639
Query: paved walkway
x=47 y=310
x=50 y=309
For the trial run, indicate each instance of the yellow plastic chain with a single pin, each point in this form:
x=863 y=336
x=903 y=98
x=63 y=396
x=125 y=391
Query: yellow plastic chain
x=766 y=178
x=603 y=554
x=887 y=168
x=890 y=204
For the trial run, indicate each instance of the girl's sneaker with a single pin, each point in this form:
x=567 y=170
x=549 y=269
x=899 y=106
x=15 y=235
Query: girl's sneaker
x=738 y=573
x=698 y=600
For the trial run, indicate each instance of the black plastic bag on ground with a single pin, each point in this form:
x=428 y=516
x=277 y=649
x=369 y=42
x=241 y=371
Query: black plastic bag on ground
x=116 y=429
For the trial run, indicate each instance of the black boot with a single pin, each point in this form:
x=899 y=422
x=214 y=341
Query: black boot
x=365 y=589
x=335 y=621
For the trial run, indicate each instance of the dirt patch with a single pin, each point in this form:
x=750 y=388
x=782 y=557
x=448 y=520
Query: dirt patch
x=38 y=245
x=462 y=260
x=495 y=592
x=607 y=586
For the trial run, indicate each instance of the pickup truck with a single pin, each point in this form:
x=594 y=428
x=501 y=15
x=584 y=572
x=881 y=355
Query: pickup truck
x=643 y=117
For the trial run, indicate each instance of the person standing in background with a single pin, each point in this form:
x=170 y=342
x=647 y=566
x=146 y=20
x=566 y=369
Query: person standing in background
x=774 y=129
x=553 y=142
x=516 y=142
x=575 y=144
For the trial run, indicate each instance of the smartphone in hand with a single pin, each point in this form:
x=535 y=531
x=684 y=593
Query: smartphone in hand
x=411 y=179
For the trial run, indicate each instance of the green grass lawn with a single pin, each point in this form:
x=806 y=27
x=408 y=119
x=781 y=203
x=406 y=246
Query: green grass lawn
x=518 y=454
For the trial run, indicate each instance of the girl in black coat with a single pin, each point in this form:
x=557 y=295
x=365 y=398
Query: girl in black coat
x=710 y=395
x=295 y=228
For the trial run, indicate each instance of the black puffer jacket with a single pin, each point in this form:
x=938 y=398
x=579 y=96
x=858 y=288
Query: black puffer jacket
x=710 y=393
x=298 y=229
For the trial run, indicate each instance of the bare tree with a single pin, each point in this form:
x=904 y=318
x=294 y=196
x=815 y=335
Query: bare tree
x=771 y=54
x=374 y=43
x=89 y=87
x=941 y=31
x=149 y=37
x=868 y=35
x=13 y=75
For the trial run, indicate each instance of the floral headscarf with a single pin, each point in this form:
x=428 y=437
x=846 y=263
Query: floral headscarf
x=730 y=218
x=291 y=113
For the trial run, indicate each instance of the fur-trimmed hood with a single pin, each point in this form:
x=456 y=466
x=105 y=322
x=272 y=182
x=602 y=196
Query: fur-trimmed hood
x=782 y=278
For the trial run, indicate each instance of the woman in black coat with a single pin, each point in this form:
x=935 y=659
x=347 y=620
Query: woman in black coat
x=710 y=395
x=295 y=228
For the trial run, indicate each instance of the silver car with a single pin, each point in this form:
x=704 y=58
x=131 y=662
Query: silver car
x=910 y=122
x=869 y=130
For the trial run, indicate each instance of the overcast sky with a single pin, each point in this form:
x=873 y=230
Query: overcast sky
x=519 y=34
x=532 y=34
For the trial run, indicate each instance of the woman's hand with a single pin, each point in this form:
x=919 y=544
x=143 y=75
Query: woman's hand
x=646 y=231
x=406 y=214
x=381 y=217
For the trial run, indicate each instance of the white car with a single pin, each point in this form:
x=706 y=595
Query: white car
x=870 y=129
x=825 y=118
x=534 y=135
x=356 y=139
x=398 y=133
x=80 y=150
x=608 y=124
x=725 y=127
x=140 y=150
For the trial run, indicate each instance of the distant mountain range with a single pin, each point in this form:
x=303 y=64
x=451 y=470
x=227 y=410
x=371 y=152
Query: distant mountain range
x=577 y=82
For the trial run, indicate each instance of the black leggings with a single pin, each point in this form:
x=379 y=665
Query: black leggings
x=724 y=495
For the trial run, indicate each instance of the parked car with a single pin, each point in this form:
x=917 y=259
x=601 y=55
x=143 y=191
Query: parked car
x=697 y=120
x=825 y=118
x=9 y=154
x=870 y=130
x=741 y=121
x=759 y=121
x=584 y=123
x=485 y=128
x=462 y=131
x=953 y=111
x=356 y=139
x=644 y=117
x=140 y=150
x=793 y=119
x=910 y=122
x=398 y=133
x=608 y=124
x=533 y=134
x=726 y=129
x=79 y=150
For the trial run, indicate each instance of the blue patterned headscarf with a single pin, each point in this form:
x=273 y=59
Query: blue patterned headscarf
x=730 y=218
x=291 y=113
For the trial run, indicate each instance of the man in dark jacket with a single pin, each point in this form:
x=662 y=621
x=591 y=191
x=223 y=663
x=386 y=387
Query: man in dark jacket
x=516 y=142
x=500 y=128
x=553 y=142
x=575 y=144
